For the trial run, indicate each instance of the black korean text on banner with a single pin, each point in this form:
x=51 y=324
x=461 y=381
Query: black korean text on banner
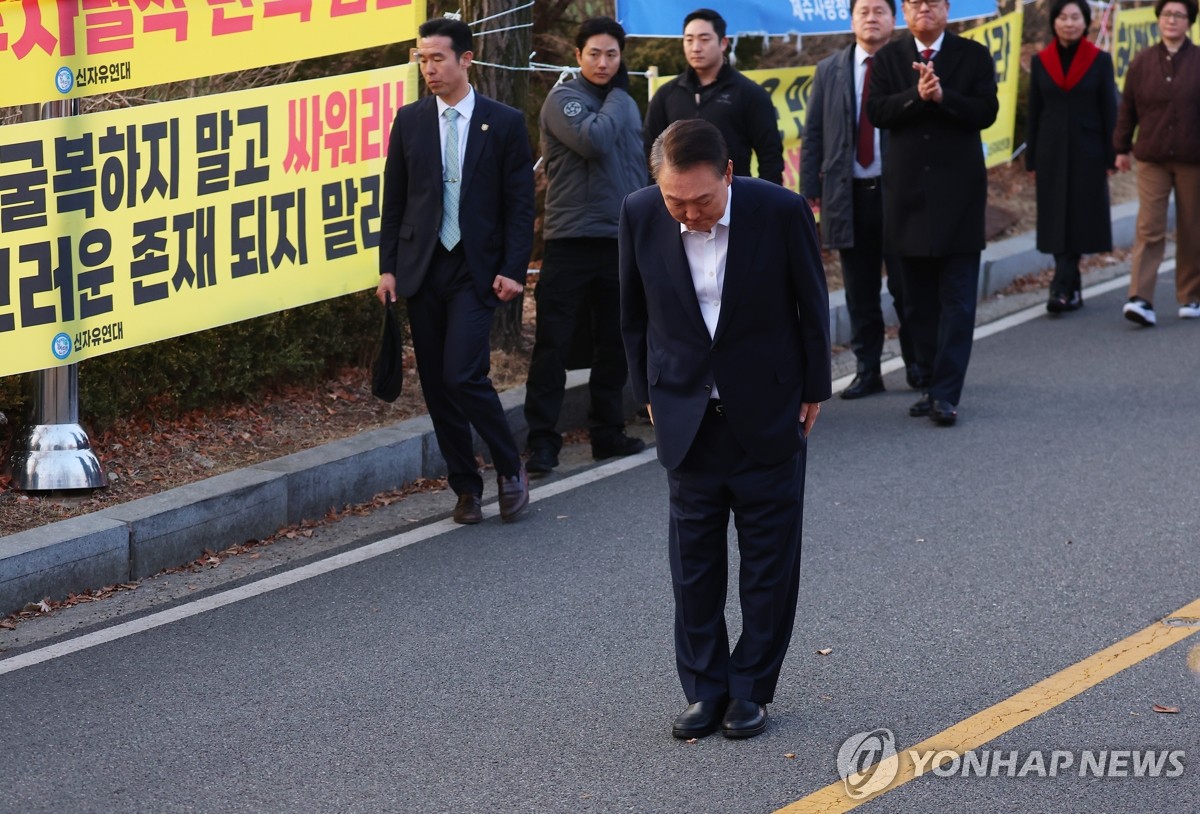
x=127 y=227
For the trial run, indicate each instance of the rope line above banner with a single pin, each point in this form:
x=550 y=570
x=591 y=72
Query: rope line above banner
x=502 y=13
x=498 y=30
x=542 y=67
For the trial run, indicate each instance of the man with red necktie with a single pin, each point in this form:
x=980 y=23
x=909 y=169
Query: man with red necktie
x=933 y=93
x=840 y=173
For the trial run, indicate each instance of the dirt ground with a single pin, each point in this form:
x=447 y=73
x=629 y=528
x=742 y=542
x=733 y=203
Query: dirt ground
x=145 y=455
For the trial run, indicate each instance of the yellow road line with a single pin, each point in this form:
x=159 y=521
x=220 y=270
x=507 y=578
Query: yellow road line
x=1014 y=711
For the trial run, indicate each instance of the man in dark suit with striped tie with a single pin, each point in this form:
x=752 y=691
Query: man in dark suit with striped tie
x=456 y=234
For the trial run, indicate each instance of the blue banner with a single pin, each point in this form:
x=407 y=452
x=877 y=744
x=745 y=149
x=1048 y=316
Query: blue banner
x=664 y=18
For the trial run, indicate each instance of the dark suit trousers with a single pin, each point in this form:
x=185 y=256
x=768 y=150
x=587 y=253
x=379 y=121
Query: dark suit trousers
x=1067 y=279
x=861 y=265
x=578 y=281
x=450 y=330
x=767 y=502
x=939 y=306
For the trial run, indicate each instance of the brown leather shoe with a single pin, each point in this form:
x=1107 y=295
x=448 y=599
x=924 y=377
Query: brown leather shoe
x=514 y=494
x=468 y=510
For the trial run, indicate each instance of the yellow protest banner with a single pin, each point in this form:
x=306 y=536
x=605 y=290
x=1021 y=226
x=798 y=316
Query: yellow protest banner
x=51 y=49
x=1002 y=38
x=789 y=89
x=131 y=226
x=1135 y=30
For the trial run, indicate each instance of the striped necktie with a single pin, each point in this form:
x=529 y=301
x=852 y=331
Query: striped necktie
x=450 y=234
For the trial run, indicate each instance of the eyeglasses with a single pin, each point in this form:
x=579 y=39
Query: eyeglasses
x=919 y=3
x=1173 y=15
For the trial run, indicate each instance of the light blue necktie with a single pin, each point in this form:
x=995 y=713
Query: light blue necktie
x=451 y=183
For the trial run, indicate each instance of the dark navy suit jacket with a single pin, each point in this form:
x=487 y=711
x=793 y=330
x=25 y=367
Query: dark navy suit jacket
x=771 y=348
x=495 y=206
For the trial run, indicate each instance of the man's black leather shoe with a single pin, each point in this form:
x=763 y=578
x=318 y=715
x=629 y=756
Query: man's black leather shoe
x=920 y=408
x=617 y=447
x=866 y=383
x=744 y=719
x=514 y=494
x=468 y=510
x=918 y=378
x=942 y=413
x=541 y=460
x=698 y=719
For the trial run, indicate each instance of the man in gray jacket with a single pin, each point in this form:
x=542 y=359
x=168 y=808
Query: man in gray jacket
x=592 y=147
x=840 y=166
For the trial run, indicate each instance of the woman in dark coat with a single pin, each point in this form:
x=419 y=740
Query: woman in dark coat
x=1072 y=113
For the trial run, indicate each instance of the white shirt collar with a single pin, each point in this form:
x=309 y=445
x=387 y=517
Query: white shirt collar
x=860 y=55
x=724 y=221
x=465 y=106
x=936 y=45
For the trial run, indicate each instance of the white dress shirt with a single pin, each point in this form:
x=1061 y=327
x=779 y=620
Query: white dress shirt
x=936 y=45
x=465 y=107
x=706 y=252
x=860 y=73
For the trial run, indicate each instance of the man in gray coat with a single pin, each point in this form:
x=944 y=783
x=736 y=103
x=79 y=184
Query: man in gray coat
x=840 y=167
x=592 y=146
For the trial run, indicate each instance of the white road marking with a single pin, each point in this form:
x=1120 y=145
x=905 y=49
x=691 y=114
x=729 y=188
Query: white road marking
x=1010 y=321
x=304 y=572
x=399 y=541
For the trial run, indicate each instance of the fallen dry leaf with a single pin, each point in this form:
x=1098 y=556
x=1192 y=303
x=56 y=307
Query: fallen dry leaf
x=1164 y=709
x=825 y=652
x=790 y=756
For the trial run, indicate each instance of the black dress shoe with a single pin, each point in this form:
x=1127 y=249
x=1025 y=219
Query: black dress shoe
x=744 y=719
x=920 y=408
x=617 y=447
x=918 y=378
x=942 y=413
x=698 y=719
x=1062 y=303
x=514 y=494
x=468 y=510
x=865 y=384
x=541 y=460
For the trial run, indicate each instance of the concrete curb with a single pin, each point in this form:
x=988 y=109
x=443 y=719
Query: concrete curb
x=1000 y=264
x=139 y=538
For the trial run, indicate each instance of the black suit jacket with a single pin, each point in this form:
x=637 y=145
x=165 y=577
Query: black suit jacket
x=495 y=206
x=934 y=179
x=771 y=348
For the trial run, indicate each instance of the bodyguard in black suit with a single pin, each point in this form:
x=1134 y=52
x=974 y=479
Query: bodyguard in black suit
x=933 y=92
x=725 y=317
x=457 y=230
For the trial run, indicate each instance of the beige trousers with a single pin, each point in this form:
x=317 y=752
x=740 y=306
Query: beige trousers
x=1155 y=182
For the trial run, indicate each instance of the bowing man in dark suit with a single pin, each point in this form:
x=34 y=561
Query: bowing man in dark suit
x=933 y=92
x=725 y=318
x=457 y=230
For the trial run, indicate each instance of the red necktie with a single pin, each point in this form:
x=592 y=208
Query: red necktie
x=927 y=54
x=865 y=154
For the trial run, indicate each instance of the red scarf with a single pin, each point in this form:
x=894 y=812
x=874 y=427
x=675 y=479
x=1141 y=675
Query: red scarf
x=1083 y=60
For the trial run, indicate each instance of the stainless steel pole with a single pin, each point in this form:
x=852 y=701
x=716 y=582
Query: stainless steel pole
x=52 y=452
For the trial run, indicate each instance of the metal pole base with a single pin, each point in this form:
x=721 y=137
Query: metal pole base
x=55 y=457
x=53 y=452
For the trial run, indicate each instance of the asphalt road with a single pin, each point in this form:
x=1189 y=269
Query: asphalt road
x=529 y=668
